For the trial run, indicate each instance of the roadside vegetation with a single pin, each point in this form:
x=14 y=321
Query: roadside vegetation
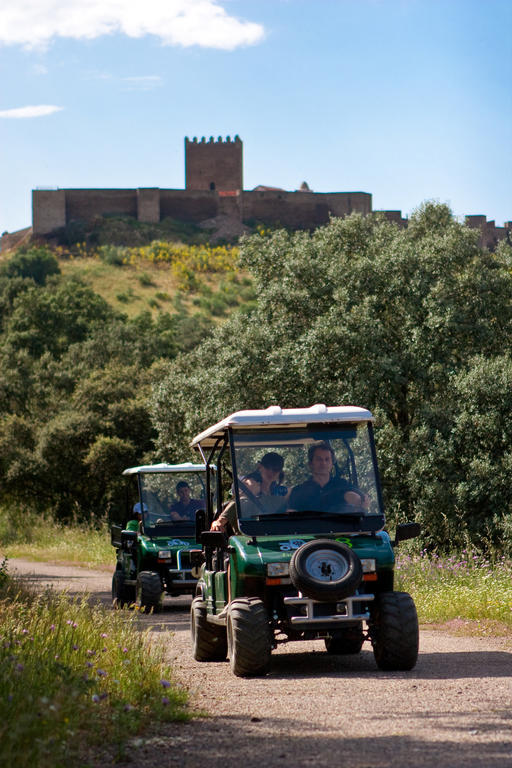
x=472 y=589
x=468 y=587
x=29 y=535
x=413 y=323
x=76 y=681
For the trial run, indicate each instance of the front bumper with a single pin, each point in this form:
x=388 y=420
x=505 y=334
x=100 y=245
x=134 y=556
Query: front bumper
x=305 y=613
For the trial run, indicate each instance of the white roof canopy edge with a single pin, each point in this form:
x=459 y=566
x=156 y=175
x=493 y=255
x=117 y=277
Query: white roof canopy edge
x=283 y=417
x=162 y=468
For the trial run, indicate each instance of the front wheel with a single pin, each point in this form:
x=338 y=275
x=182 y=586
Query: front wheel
x=209 y=641
x=122 y=594
x=249 y=639
x=394 y=631
x=149 y=591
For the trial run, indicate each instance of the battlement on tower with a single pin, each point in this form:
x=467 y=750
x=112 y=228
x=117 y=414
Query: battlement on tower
x=214 y=165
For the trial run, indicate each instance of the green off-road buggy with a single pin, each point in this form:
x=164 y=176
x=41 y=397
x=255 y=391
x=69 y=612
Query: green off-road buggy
x=154 y=547
x=302 y=552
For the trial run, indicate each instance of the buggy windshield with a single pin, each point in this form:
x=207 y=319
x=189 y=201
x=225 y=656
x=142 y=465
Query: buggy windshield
x=321 y=473
x=170 y=502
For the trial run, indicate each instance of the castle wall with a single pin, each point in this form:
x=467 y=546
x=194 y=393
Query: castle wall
x=86 y=204
x=302 y=209
x=214 y=165
x=490 y=234
x=214 y=187
x=148 y=205
x=48 y=210
x=188 y=205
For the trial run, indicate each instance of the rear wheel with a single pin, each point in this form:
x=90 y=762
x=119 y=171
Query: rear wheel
x=249 y=639
x=122 y=594
x=209 y=641
x=345 y=641
x=394 y=631
x=149 y=591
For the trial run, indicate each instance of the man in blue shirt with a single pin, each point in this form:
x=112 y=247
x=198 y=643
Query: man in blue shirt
x=324 y=492
x=186 y=507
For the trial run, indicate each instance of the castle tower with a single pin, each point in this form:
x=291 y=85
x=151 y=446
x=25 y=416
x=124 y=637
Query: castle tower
x=214 y=165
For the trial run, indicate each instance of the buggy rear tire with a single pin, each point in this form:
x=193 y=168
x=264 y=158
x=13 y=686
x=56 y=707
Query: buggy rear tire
x=345 y=641
x=122 y=594
x=249 y=638
x=209 y=642
x=149 y=591
x=325 y=570
x=394 y=631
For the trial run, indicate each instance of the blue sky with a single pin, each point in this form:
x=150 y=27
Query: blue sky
x=406 y=99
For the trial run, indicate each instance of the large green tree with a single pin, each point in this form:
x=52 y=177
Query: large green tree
x=363 y=312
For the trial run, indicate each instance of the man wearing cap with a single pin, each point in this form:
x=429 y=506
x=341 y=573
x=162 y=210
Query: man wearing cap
x=261 y=491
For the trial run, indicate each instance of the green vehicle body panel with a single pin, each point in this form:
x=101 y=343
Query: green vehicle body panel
x=249 y=561
x=146 y=558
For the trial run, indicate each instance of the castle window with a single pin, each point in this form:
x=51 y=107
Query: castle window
x=212 y=185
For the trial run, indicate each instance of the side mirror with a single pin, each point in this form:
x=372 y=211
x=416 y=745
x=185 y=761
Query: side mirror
x=214 y=539
x=115 y=535
x=197 y=558
x=128 y=539
x=406 y=531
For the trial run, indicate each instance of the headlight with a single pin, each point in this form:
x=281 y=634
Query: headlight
x=166 y=555
x=368 y=565
x=277 y=569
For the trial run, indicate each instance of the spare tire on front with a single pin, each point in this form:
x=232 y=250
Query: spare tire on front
x=325 y=570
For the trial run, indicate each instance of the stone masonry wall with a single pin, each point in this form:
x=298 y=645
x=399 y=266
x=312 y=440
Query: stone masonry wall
x=214 y=187
x=214 y=165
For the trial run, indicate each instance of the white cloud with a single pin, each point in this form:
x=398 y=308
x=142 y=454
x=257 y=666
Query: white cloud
x=21 y=112
x=36 y=23
x=142 y=82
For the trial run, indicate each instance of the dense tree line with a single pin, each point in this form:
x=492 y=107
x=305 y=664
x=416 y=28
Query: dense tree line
x=414 y=323
x=74 y=380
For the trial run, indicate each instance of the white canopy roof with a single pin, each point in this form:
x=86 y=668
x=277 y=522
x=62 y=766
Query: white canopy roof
x=275 y=416
x=148 y=468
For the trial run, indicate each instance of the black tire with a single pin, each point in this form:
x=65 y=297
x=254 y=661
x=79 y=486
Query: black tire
x=149 y=591
x=394 y=631
x=345 y=641
x=209 y=642
x=122 y=594
x=325 y=570
x=249 y=638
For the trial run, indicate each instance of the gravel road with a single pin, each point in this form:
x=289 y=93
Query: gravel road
x=454 y=709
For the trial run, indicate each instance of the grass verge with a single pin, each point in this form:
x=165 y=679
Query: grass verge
x=458 y=589
x=76 y=681
x=39 y=538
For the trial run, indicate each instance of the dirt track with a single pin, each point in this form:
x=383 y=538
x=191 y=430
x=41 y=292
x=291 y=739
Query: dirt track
x=453 y=709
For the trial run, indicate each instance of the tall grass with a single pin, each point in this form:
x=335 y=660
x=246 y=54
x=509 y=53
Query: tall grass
x=75 y=680
x=465 y=586
x=24 y=534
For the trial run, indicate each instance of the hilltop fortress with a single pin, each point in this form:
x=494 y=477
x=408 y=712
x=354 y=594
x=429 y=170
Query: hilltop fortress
x=214 y=190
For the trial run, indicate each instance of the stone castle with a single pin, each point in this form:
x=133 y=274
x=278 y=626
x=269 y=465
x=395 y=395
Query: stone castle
x=214 y=191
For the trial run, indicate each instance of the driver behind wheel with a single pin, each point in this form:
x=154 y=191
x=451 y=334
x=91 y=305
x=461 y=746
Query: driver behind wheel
x=185 y=507
x=325 y=491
